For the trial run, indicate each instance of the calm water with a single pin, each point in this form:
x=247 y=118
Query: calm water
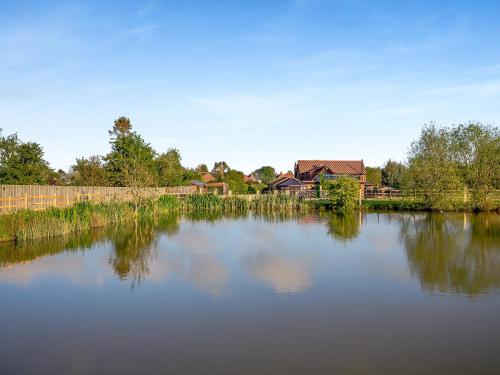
x=371 y=293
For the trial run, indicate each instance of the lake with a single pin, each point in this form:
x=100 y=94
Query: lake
x=371 y=293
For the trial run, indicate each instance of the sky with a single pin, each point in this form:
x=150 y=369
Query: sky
x=249 y=82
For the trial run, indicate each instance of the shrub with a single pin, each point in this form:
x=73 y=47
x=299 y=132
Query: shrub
x=344 y=193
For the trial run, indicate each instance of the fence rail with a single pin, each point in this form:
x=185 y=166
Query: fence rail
x=39 y=197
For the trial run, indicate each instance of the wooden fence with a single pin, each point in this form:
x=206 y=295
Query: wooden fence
x=40 y=197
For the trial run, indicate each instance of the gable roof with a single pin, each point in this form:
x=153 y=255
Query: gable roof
x=336 y=166
x=280 y=178
x=290 y=181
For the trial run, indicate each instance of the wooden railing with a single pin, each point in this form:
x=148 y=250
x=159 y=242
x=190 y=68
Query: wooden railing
x=39 y=197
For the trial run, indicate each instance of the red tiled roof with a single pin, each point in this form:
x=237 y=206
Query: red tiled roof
x=207 y=177
x=336 y=166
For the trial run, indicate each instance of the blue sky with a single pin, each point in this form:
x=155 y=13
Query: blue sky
x=250 y=82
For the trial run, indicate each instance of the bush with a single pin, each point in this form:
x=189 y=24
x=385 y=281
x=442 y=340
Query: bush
x=344 y=193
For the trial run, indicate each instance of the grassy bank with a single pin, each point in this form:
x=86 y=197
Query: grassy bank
x=393 y=205
x=27 y=225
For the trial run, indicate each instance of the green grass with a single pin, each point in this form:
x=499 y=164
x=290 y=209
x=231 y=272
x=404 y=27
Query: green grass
x=393 y=205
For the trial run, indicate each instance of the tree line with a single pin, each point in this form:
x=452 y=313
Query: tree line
x=460 y=158
x=130 y=162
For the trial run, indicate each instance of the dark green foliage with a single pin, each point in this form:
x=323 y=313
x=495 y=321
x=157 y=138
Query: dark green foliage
x=374 y=176
x=266 y=174
x=235 y=181
x=131 y=160
x=89 y=172
x=393 y=174
x=394 y=205
x=22 y=163
x=201 y=168
x=169 y=168
x=220 y=169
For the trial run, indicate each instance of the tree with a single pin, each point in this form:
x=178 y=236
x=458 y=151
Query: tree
x=122 y=126
x=201 y=168
x=131 y=160
x=220 y=169
x=476 y=150
x=374 y=176
x=392 y=174
x=343 y=192
x=89 y=172
x=235 y=181
x=266 y=174
x=22 y=162
x=432 y=169
x=169 y=168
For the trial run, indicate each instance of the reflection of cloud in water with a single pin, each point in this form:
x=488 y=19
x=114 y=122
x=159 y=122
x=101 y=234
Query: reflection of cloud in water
x=194 y=261
x=76 y=268
x=286 y=275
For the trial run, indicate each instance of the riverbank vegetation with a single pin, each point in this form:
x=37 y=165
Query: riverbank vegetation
x=27 y=224
x=131 y=162
x=453 y=168
x=447 y=168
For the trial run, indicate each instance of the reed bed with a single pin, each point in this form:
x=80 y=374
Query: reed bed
x=27 y=225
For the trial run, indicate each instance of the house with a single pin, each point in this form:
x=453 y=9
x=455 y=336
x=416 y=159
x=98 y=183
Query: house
x=287 y=182
x=310 y=172
x=251 y=179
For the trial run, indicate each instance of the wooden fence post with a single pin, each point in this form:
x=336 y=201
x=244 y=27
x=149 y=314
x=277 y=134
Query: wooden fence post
x=9 y=203
x=26 y=201
x=55 y=200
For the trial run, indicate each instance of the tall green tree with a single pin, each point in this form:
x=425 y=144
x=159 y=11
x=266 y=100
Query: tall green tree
x=344 y=194
x=393 y=174
x=266 y=174
x=89 y=172
x=476 y=150
x=220 y=169
x=23 y=163
x=432 y=169
x=122 y=126
x=235 y=181
x=374 y=176
x=169 y=168
x=131 y=161
x=201 y=168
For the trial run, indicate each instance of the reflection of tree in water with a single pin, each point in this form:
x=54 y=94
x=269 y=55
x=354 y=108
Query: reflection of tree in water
x=344 y=228
x=13 y=253
x=135 y=246
x=457 y=253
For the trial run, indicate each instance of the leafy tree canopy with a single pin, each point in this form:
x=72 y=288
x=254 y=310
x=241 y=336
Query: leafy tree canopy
x=266 y=174
x=23 y=163
x=89 y=172
x=131 y=160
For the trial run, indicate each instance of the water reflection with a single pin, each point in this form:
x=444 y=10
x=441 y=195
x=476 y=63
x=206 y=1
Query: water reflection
x=457 y=253
x=346 y=227
x=285 y=274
